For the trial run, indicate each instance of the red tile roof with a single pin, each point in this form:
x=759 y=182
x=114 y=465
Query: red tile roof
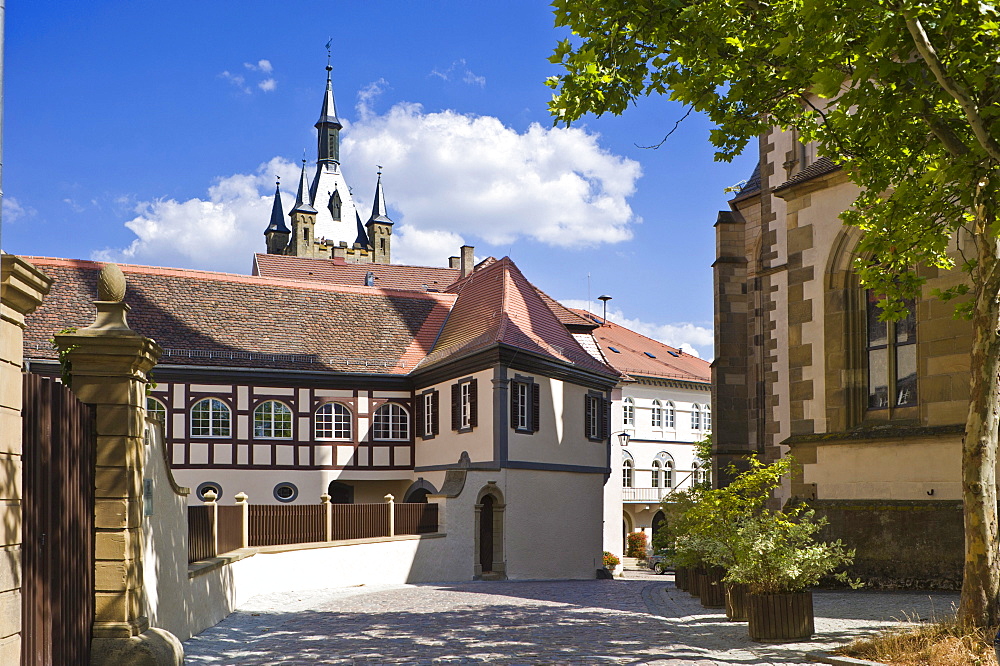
x=496 y=304
x=632 y=359
x=330 y=271
x=203 y=318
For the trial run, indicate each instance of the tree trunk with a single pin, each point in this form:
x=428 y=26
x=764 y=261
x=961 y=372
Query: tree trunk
x=981 y=584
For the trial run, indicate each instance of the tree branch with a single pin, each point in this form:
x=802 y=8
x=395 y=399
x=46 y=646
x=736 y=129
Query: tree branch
x=952 y=87
x=676 y=125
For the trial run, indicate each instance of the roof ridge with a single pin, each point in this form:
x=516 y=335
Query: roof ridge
x=244 y=279
x=286 y=257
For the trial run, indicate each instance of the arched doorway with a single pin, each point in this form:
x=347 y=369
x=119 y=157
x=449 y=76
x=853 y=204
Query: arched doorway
x=486 y=535
x=626 y=528
x=659 y=523
x=340 y=493
x=489 y=553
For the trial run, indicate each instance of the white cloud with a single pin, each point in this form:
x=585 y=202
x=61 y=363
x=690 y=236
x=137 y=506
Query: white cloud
x=473 y=176
x=237 y=80
x=424 y=247
x=459 y=69
x=220 y=232
x=449 y=179
x=686 y=336
x=13 y=210
x=262 y=67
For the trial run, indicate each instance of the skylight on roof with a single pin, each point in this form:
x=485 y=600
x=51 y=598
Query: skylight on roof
x=614 y=350
x=674 y=354
x=648 y=354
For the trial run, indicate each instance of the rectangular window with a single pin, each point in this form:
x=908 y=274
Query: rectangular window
x=892 y=357
x=464 y=405
x=596 y=417
x=524 y=405
x=426 y=413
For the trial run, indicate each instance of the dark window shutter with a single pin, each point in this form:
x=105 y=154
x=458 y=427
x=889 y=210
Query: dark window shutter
x=434 y=413
x=605 y=408
x=513 y=405
x=456 y=406
x=535 y=407
x=588 y=410
x=473 y=403
x=418 y=415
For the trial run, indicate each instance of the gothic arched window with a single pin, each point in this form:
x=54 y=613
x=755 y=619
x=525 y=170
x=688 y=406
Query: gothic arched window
x=335 y=205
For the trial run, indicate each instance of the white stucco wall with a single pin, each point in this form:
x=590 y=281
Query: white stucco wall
x=446 y=447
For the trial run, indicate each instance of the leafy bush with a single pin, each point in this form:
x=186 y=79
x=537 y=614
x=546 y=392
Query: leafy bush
x=777 y=553
x=611 y=561
x=636 y=545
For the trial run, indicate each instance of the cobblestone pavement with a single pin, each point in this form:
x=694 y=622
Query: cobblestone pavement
x=642 y=619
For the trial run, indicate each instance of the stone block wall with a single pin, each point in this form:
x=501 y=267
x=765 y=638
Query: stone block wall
x=900 y=544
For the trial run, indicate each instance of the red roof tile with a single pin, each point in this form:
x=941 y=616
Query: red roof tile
x=632 y=359
x=329 y=271
x=496 y=304
x=203 y=318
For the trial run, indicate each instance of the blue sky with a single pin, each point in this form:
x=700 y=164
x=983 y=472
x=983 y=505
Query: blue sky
x=151 y=133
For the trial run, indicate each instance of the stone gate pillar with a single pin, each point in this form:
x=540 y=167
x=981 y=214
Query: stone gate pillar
x=108 y=367
x=22 y=287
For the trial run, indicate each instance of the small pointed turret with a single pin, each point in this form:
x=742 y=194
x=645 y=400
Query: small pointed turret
x=379 y=226
x=303 y=201
x=379 y=212
x=277 y=232
x=329 y=125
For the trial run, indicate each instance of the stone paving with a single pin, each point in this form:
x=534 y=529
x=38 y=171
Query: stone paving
x=642 y=619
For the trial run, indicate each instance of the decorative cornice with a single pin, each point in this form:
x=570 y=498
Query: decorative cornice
x=22 y=288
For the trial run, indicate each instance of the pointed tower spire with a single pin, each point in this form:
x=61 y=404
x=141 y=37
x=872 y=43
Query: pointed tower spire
x=380 y=226
x=277 y=232
x=277 y=214
x=329 y=125
x=379 y=212
x=303 y=201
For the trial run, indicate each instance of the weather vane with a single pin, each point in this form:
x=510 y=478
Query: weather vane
x=379 y=169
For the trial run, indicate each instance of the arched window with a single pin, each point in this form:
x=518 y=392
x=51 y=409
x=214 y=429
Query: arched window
x=628 y=411
x=669 y=416
x=391 y=422
x=657 y=416
x=335 y=206
x=157 y=410
x=656 y=474
x=210 y=418
x=272 y=420
x=332 y=421
x=627 y=474
x=695 y=473
x=665 y=463
x=706 y=418
x=696 y=417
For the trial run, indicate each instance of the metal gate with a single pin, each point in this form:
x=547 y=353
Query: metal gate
x=58 y=519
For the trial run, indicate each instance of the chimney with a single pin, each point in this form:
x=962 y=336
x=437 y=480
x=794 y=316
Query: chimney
x=453 y=262
x=468 y=259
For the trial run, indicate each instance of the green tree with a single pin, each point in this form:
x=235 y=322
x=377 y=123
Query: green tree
x=914 y=124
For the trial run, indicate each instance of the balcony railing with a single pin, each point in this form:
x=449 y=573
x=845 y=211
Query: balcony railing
x=645 y=494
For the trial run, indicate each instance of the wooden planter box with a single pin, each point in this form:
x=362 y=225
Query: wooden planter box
x=695 y=580
x=736 y=602
x=780 y=617
x=713 y=593
x=681 y=580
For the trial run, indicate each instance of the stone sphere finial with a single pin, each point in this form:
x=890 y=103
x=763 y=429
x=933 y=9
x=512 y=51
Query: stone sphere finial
x=111 y=284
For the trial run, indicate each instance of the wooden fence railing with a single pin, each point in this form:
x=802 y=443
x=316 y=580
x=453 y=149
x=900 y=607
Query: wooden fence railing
x=214 y=529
